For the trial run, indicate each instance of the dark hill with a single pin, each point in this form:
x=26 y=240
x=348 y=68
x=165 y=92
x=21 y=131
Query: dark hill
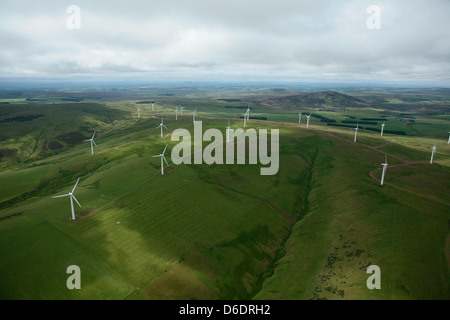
x=324 y=100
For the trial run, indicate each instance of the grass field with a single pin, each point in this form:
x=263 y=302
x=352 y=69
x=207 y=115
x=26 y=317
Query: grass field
x=220 y=231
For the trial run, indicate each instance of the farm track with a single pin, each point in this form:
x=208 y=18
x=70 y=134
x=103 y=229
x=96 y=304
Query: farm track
x=291 y=221
x=404 y=164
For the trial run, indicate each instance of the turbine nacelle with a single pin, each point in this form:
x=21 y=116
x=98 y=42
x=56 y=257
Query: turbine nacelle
x=161 y=126
x=91 y=140
x=162 y=158
x=307 y=120
x=72 y=197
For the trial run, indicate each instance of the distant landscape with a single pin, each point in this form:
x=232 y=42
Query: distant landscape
x=224 y=231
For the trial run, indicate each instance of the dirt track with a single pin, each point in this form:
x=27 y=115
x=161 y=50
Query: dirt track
x=405 y=163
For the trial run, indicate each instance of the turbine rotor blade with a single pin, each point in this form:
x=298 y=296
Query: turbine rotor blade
x=165 y=149
x=76 y=200
x=75 y=185
x=165 y=160
x=94 y=143
x=156 y=156
x=61 y=196
x=93 y=135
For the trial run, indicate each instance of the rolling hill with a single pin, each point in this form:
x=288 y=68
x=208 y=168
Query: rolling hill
x=322 y=100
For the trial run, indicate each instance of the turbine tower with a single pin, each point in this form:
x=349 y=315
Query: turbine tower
x=228 y=131
x=248 y=113
x=176 y=113
x=433 y=151
x=193 y=115
x=382 y=128
x=356 y=132
x=448 y=138
x=245 y=119
x=299 y=117
x=92 y=143
x=139 y=112
x=307 y=120
x=181 y=110
x=161 y=126
x=72 y=197
x=162 y=157
x=385 y=164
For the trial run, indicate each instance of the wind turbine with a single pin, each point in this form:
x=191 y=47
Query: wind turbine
x=248 y=113
x=448 y=139
x=181 y=109
x=299 y=117
x=162 y=157
x=356 y=132
x=139 y=112
x=161 y=126
x=382 y=128
x=92 y=142
x=176 y=113
x=245 y=119
x=433 y=151
x=228 y=131
x=385 y=164
x=307 y=120
x=72 y=197
x=193 y=115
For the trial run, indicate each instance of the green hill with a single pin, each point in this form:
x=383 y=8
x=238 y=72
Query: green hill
x=219 y=231
x=328 y=100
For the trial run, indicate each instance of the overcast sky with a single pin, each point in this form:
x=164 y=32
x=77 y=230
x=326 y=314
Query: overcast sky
x=229 y=39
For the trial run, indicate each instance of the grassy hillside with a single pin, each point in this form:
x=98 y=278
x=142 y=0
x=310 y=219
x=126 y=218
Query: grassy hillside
x=220 y=231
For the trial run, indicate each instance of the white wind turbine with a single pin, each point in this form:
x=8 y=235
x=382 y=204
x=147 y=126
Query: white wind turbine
x=228 y=131
x=92 y=143
x=162 y=157
x=248 y=113
x=307 y=120
x=356 y=132
x=382 y=128
x=72 y=197
x=161 y=126
x=299 y=117
x=193 y=115
x=448 y=138
x=139 y=112
x=176 y=113
x=433 y=151
x=385 y=164
x=181 y=110
x=245 y=119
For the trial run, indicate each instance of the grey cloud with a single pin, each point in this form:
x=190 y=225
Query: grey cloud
x=265 y=38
